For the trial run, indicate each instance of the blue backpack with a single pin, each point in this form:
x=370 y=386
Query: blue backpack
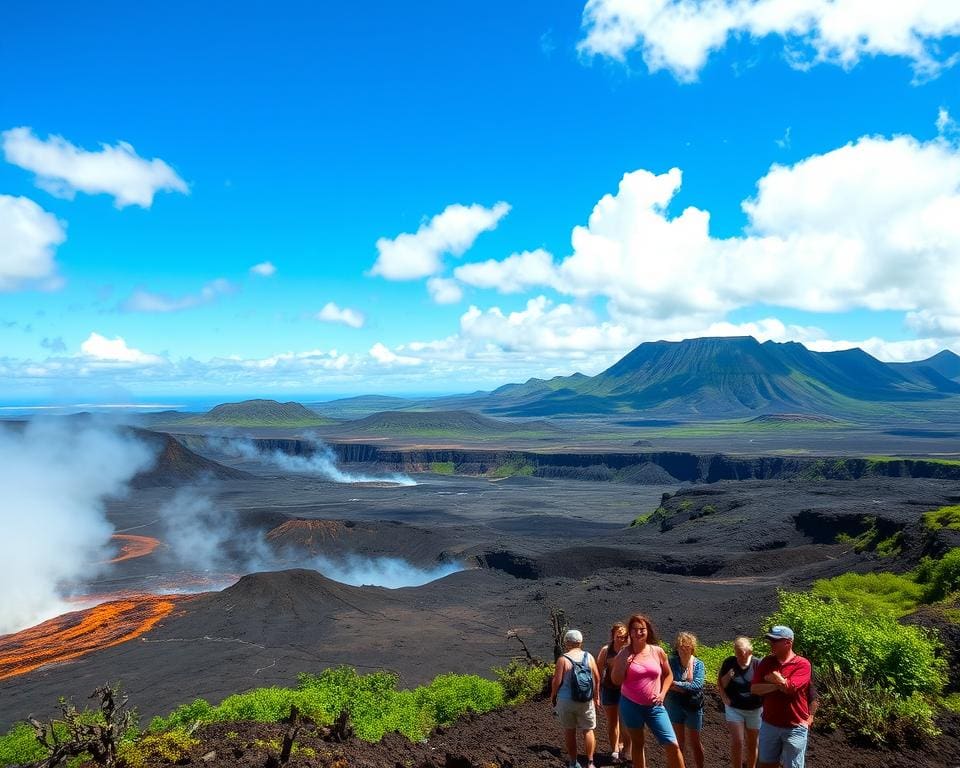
x=581 y=678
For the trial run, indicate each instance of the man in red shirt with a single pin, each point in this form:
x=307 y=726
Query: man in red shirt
x=783 y=679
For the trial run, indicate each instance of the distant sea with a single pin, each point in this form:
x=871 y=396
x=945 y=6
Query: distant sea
x=13 y=409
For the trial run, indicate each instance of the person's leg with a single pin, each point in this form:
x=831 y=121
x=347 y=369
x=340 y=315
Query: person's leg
x=750 y=751
x=626 y=744
x=769 y=746
x=589 y=745
x=570 y=742
x=795 y=747
x=612 y=711
x=636 y=747
x=696 y=746
x=659 y=723
x=736 y=746
x=674 y=755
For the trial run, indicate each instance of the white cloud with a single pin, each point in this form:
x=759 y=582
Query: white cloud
x=100 y=348
x=946 y=125
x=385 y=356
x=264 y=269
x=146 y=301
x=679 y=35
x=28 y=237
x=64 y=169
x=443 y=290
x=543 y=327
x=514 y=274
x=412 y=256
x=331 y=313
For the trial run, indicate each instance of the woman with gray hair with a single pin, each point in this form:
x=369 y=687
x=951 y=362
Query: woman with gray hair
x=575 y=695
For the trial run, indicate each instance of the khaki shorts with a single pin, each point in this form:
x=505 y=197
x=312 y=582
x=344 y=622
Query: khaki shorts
x=576 y=714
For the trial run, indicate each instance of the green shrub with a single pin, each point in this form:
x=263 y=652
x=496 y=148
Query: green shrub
x=712 y=658
x=442 y=467
x=872 y=593
x=172 y=747
x=945 y=517
x=873 y=713
x=450 y=696
x=522 y=680
x=876 y=649
x=641 y=520
x=940 y=577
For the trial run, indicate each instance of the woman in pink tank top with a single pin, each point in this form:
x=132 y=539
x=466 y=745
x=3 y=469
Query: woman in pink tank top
x=643 y=672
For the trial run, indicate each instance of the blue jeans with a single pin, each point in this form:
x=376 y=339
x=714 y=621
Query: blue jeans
x=786 y=746
x=655 y=717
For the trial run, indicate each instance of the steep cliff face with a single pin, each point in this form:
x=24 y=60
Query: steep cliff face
x=622 y=467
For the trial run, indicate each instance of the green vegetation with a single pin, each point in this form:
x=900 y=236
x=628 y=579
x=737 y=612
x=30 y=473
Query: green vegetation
x=374 y=703
x=642 y=519
x=872 y=593
x=945 y=517
x=522 y=680
x=870 y=540
x=939 y=577
x=442 y=467
x=879 y=678
x=515 y=467
x=20 y=746
x=173 y=747
x=924 y=459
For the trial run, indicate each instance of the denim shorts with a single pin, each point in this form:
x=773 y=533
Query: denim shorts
x=749 y=717
x=783 y=745
x=609 y=697
x=654 y=716
x=680 y=715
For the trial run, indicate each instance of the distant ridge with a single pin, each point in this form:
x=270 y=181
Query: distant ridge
x=444 y=424
x=724 y=377
x=248 y=413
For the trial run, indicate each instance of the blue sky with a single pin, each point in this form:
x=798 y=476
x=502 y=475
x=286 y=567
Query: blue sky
x=386 y=161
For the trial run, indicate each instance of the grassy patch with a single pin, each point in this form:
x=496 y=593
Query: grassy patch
x=872 y=593
x=513 y=468
x=442 y=467
x=870 y=540
x=945 y=517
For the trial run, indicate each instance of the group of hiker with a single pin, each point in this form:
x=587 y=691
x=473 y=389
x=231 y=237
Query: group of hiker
x=768 y=703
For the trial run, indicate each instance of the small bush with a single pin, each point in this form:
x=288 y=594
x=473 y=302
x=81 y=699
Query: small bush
x=450 y=696
x=442 y=467
x=20 y=746
x=172 y=747
x=641 y=520
x=940 y=577
x=522 y=680
x=873 y=713
x=872 y=593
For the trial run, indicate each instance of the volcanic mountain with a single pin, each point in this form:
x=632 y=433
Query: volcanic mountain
x=729 y=377
x=248 y=413
x=176 y=464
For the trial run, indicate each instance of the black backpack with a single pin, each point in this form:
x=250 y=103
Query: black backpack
x=581 y=678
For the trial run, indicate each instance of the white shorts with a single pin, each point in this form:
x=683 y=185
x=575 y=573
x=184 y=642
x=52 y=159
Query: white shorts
x=576 y=714
x=749 y=717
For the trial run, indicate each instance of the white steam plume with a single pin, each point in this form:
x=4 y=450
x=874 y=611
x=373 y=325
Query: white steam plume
x=322 y=462
x=390 y=572
x=55 y=476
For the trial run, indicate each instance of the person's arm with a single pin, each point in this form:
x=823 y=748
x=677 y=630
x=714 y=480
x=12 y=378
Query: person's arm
x=619 y=669
x=555 y=684
x=667 y=676
x=596 y=682
x=602 y=656
x=798 y=676
x=723 y=679
x=763 y=688
x=694 y=685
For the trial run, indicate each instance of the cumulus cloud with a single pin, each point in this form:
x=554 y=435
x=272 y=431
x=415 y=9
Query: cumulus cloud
x=55 y=476
x=386 y=357
x=97 y=347
x=28 y=238
x=443 y=290
x=263 y=269
x=331 y=313
x=454 y=230
x=514 y=274
x=679 y=35
x=541 y=326
x=874 y=224
x=64 y=169
x=147 y=301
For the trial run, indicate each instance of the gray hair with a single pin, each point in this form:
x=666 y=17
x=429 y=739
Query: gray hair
x=573 y=637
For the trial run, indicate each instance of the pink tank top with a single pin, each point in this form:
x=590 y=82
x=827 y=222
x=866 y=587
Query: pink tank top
x=641 y=683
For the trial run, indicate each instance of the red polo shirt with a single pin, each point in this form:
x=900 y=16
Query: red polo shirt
x=786 y=709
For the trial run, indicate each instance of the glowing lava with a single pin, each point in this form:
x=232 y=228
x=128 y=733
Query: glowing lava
x=76 y=634
x=132 y=546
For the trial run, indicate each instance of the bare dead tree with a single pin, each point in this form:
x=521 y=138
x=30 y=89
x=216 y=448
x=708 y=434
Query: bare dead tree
x=558 y=622
x=528 y=657
x=72 y=735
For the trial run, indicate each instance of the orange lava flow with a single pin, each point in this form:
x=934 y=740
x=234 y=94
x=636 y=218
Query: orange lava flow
x=132 y=546
x=76 y=634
